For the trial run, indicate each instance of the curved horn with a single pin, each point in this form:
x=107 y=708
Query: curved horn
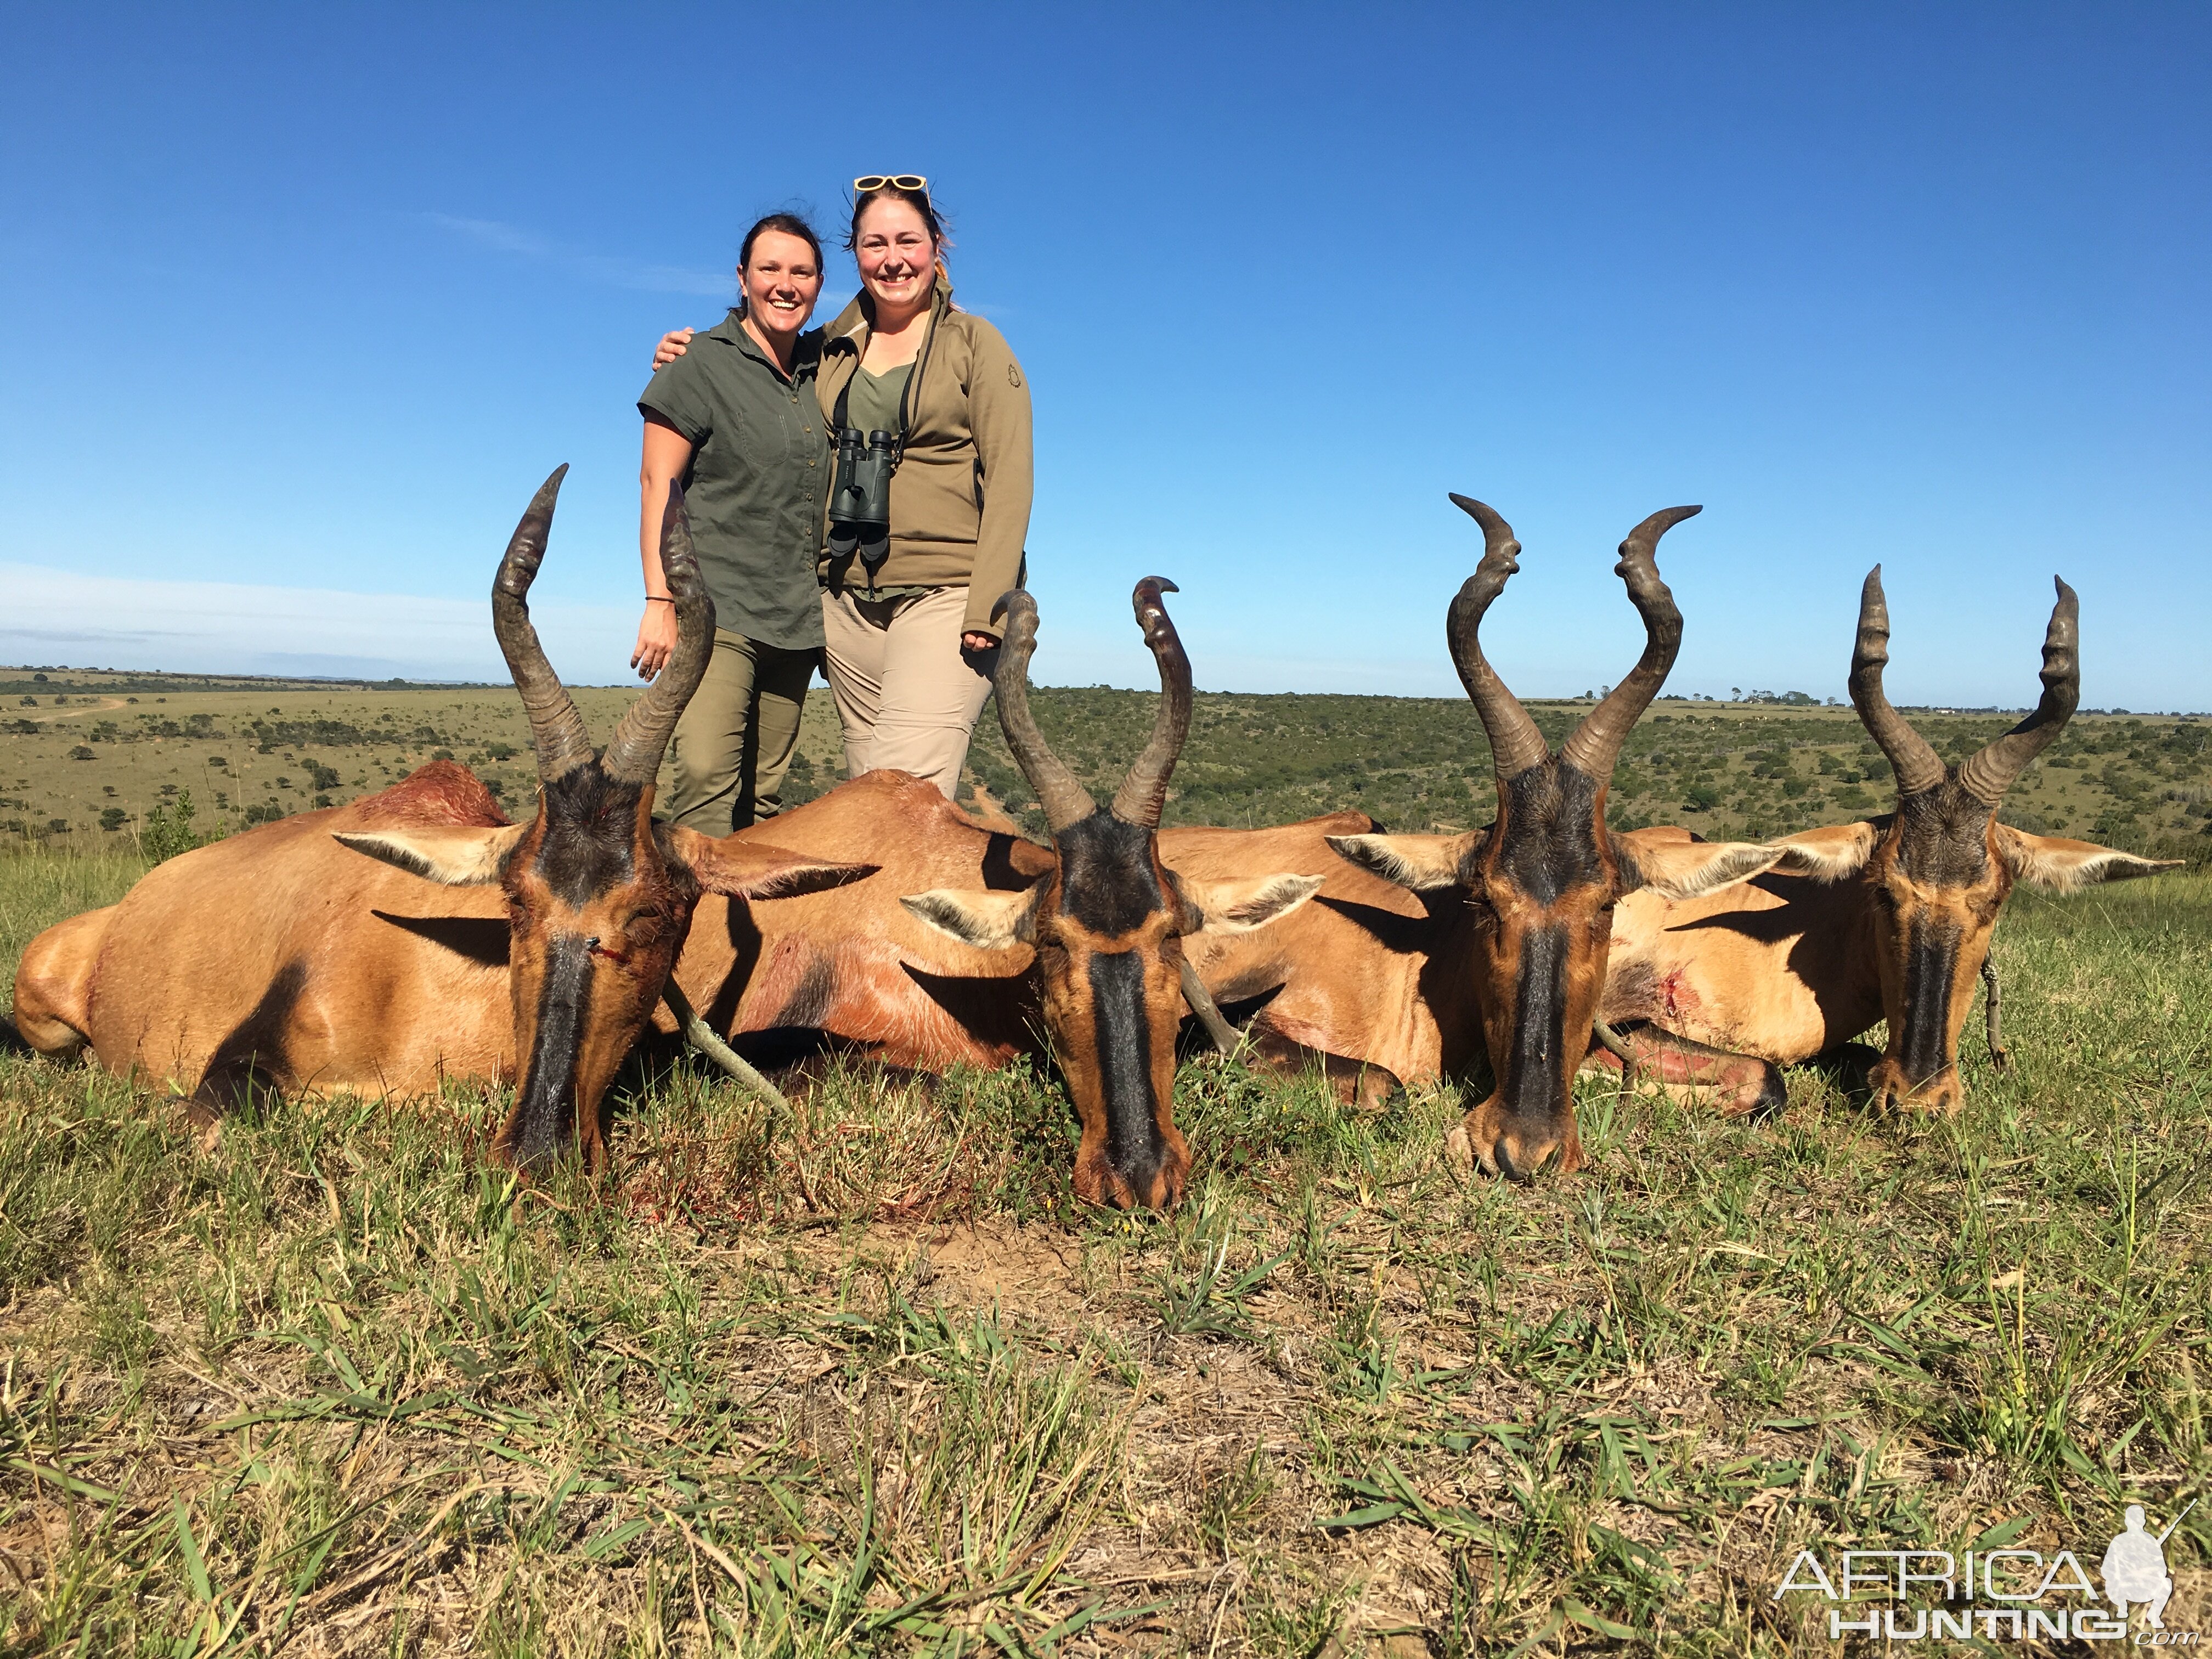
x=1911 y=756
x=1145 y=790
x=1065 y=801
x=1515 y=744
x=632 y=754
x=557 y=729
x=1987 y=775
x=1595 y=745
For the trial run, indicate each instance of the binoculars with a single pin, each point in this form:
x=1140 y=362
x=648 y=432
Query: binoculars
x=860 y=495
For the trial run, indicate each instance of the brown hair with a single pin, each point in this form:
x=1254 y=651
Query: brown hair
x=791 y=224
x=919 y=199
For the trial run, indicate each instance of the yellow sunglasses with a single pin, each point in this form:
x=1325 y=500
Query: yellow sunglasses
x=868 y=181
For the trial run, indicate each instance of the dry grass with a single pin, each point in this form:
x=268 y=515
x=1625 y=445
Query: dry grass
x=865 y=1380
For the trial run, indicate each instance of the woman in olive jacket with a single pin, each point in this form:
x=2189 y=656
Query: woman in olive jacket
x=912 y=642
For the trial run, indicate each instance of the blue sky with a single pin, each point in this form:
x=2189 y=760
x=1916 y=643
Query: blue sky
x=311 y=299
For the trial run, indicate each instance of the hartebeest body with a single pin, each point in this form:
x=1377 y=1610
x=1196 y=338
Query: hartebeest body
x=1517 y=916
x=1890 y=918
x=279 y=959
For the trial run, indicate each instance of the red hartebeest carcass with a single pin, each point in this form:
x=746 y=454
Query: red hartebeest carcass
x=1890 y=918
x=1108 y=921
x=279 y=959
x=1442 y=949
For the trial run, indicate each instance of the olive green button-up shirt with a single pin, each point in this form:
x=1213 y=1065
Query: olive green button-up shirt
x=759 y=478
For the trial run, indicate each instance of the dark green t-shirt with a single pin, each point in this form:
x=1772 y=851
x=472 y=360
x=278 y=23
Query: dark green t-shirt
x=872 y=401
x=758 y=481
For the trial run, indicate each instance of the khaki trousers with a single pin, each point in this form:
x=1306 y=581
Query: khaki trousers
x=735 y=741
x=907 y=695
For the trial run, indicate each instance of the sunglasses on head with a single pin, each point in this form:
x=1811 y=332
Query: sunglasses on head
x=868 y=181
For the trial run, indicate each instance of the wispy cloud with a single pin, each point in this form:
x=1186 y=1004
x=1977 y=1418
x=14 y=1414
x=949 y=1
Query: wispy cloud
x=503 y=238
x=189 y=627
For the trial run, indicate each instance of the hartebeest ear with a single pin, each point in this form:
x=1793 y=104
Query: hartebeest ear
x=1828 y=854
x=1238 y=907
x=2048 y=861
x=1421 y=863
x=1680 y=869
x=453 y=855
x=750 y=870
x=990 y=920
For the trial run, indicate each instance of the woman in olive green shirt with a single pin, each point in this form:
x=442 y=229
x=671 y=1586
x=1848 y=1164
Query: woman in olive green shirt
x=736 y=421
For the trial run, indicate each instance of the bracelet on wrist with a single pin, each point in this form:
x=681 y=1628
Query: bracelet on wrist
x=659 y=598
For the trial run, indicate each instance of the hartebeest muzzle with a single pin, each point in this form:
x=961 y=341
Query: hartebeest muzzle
x=599 y=896
x=1107 y=924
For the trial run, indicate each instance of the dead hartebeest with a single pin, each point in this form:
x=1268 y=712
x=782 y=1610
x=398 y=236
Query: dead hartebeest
x=1518 y=916
x=1889 y=918
x=280 y=960
x=1108 y=921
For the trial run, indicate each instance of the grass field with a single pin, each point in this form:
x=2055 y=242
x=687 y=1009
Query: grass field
x=89 y=756
x=863 y=1379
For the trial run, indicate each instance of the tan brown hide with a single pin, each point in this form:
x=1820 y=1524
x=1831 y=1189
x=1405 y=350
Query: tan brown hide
x=278 y=960
x=1886 y=919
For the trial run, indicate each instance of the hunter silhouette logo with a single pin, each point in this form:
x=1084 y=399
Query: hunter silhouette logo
x=1998 y=1591
x=2135 y=1567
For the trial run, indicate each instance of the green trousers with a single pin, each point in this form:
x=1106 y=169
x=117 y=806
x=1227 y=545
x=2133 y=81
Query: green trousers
x=735 y=741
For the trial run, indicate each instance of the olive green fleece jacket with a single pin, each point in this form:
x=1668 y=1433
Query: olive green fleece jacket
x=960 y=498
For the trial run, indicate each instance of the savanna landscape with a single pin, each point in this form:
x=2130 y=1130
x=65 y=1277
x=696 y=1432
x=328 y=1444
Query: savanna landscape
x=861 y=1377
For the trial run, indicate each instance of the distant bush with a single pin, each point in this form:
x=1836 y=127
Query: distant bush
x=267 y=811
x=168 y=831
x=81 y=753
x=113 y=818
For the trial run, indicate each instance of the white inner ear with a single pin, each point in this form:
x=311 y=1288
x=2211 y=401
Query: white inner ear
x=1420 y=863
x=1238 y=907
x=1826 y=854
x=988 y=921
x=1695 y=868
x=2065 y=866
x=456 y=857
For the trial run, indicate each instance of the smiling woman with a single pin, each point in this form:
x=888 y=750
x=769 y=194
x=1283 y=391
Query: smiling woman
x=735 y=423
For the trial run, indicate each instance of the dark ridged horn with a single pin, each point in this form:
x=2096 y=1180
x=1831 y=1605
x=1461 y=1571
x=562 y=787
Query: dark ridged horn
x=1144 y=792
x=1595 y=745
x=563 y=742
x=1987 y=775
x=1065 y=801
x=632 y=754
x=1911 y=756
x=1515 y=744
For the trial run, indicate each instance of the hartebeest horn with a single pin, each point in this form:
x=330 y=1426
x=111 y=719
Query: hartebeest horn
x=1911 y=756
x=1595 y=745
x=1065 y=801
x=563 y=741
x=1515 y=744
x=1987 y=775
x=1145 y=790
x=632 y=754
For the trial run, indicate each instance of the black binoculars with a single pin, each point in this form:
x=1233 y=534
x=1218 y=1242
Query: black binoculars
x=860 y=494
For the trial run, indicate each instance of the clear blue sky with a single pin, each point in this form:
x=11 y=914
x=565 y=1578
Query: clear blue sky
x=312 y=298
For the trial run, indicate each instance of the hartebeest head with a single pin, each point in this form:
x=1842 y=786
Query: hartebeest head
x=1538 y=886
x=1108 y=922
x=599 y=896
x=1940 y=865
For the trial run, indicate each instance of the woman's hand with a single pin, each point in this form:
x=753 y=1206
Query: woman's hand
x=656 y=638
x=975 y=641
x=671 y=347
